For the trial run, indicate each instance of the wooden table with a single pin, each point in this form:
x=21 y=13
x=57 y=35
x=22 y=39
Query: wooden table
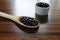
x=9 y=31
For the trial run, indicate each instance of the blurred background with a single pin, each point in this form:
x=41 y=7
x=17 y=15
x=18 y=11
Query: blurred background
x=26 y=7
x=20 y=7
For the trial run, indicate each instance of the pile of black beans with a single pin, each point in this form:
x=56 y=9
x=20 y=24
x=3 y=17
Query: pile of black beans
x=42 y=4
x=28 y=21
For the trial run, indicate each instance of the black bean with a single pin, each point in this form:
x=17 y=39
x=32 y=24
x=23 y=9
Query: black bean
x=28 y=21
x=42 y=4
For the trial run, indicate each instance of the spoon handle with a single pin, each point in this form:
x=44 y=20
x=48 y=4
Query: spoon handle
x=6 y=16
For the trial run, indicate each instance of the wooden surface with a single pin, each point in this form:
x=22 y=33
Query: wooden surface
x=48 y=31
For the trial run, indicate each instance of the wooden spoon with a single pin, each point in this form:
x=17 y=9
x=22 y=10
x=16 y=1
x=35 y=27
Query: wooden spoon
x=16 y=20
